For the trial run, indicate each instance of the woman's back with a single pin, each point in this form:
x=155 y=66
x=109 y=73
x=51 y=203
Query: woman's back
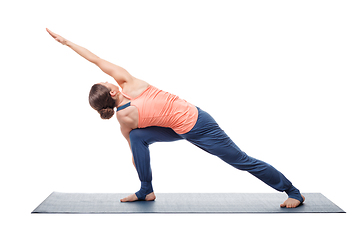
x=155 y=107
x=160 y=108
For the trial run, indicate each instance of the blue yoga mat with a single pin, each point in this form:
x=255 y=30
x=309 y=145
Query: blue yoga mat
x=103 y=203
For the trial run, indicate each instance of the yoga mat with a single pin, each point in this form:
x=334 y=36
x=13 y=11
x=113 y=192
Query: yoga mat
x=103 y=203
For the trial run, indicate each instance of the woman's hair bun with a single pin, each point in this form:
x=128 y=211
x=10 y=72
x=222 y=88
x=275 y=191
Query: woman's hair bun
x=106 y=113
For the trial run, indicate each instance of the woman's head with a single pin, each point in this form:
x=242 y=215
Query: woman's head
x=101 y=98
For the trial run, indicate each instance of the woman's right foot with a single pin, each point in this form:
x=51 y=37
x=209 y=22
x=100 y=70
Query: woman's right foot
x=292 y=203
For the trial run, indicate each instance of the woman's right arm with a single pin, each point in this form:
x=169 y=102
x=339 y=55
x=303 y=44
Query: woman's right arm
x=126 y=133
x=120 y=75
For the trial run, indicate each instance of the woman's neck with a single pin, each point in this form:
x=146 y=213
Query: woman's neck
x=120 y=100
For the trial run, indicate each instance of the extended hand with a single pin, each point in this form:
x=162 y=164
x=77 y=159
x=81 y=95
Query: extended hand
x=57 y=37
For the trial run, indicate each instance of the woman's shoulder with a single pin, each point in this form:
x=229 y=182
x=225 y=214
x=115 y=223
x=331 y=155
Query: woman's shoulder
x=128 y=116
x=135 y=88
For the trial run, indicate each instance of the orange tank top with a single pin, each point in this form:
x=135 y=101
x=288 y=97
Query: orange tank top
x=163 y=109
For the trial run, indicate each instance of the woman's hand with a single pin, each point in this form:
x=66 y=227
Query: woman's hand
x=57 y=37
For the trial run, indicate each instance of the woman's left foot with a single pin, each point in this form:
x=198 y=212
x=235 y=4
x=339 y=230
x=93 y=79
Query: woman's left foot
x=133 y=198
x=292 y=202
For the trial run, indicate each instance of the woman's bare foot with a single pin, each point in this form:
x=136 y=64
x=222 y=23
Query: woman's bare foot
x=291 y=203
x=133 y=198
x=150 y=197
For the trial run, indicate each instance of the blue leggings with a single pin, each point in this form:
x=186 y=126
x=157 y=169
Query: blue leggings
x=207 y=135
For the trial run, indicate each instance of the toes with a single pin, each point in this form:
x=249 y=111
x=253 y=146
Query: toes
x=290 y=203
x=130 y=198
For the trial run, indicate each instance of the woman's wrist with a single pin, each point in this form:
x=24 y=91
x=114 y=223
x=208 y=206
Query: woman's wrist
x=66 y=43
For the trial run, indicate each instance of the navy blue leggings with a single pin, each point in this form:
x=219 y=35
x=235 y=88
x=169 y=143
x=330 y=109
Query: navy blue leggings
x=207 y=135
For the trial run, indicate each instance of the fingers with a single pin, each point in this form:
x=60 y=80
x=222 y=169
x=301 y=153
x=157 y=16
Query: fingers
x=56 y=37
x=52 y=34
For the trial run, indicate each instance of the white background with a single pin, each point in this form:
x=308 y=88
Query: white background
x=280 y=77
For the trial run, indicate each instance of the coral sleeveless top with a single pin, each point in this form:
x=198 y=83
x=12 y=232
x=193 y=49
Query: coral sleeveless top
x=163 y=109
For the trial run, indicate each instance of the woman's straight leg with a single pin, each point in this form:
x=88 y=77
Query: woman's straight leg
x=208 y=136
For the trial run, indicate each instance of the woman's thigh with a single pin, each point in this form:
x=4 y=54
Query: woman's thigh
x=208 y=136
x=151 y=135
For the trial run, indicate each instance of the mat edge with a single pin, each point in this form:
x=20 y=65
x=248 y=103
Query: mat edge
x=34 y=211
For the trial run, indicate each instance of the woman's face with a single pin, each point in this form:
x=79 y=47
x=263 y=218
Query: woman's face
x=110 y=86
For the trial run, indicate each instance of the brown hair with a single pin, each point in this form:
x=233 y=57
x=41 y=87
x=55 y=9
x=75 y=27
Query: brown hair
x=101 y=100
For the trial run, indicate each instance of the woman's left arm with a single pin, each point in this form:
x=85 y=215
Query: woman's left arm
x=120 y=75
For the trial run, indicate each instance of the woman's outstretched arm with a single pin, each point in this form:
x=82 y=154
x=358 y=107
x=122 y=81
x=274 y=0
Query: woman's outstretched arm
x=118 y=73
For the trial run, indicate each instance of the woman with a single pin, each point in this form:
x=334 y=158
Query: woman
x=147 y=115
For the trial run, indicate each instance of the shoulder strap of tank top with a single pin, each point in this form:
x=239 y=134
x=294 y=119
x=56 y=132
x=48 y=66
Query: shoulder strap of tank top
x=127 y=96
x=123 y=106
